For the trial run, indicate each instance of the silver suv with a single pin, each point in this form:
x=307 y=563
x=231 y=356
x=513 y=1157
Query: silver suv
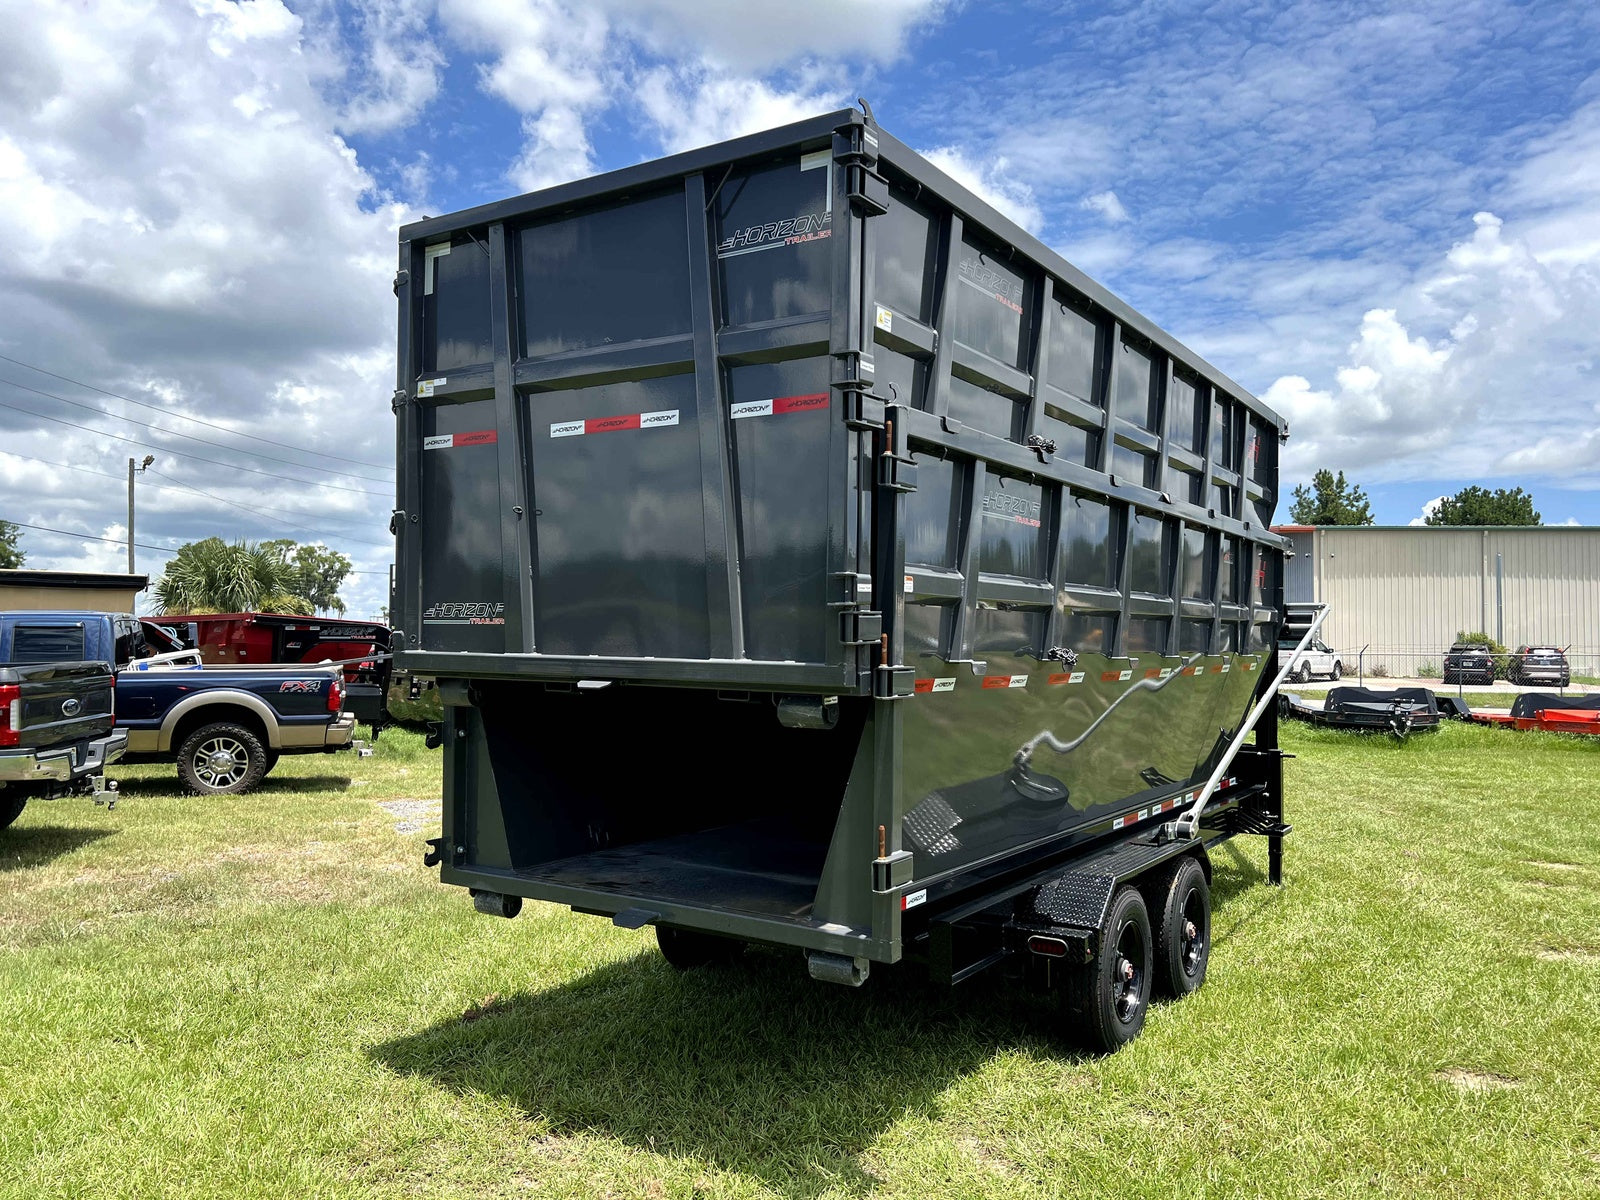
x=1316 y=659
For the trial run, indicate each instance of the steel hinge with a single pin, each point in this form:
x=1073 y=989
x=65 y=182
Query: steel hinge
x=892 y=871
x=398 y=400
x=894 y=683
x=862 y=411
x=397 y=518
x=897 y=474
x=858 y=371
x=400 y=280
x=862 y=628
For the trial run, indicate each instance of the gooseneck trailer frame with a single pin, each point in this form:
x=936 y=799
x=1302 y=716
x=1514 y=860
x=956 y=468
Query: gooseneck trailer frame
x=808 y=556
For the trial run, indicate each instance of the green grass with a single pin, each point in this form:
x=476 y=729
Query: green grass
x=268 y=996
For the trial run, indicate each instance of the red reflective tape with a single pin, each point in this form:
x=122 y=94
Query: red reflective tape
x=1110 y=676
x=997 y=681
x=922 y=685
x=611 y=424
x=1217 y=670
x=787 y=404
x=1153 y=673
x=482 y=437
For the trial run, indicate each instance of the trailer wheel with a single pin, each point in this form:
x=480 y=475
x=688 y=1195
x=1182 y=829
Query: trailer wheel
x=1110 y=995
x=1181 y=902
x=686 y=948
x=11 y=808
x=221 y=760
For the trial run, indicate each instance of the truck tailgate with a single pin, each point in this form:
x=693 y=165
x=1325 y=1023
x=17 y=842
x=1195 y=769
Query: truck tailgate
x=51 y=704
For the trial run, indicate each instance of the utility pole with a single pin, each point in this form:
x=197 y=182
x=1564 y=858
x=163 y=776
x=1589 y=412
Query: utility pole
x=148 y=459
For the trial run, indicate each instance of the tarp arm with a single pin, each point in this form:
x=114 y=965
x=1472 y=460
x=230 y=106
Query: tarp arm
x=1188 y=825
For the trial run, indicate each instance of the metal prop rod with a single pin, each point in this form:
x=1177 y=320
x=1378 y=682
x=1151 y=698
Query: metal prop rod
x=1188 y=825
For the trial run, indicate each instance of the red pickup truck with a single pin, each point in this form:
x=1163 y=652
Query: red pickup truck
x=248 y=638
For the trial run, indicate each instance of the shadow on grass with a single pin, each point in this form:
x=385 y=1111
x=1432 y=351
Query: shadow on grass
x=164 y=785
x=24 y=846
x=753 y=1068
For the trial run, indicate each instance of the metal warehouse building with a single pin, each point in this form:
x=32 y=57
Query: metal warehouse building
x=1404 y=591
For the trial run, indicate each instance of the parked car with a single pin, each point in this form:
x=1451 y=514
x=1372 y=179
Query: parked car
x=360 y=647
x=1316 y=659
x=225 y=727
x=57 y=729
x=1539 y=664
x=1468 y=663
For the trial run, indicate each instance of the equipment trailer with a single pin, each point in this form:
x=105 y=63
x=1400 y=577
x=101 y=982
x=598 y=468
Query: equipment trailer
x=808 y=556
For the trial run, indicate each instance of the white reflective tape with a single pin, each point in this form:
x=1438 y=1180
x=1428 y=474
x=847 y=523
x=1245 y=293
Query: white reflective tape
x=1119 y=822
x=915 y=898
x=1166 y=672
x=1125 y=676
x=1018 y=681
x=885 y=319
x=441 y=441
x=944 y=685
x=754 y=408
x=658 y=420
x=566 y=429
x=1075 y=677
x=1225 y=668
x=1143 y=813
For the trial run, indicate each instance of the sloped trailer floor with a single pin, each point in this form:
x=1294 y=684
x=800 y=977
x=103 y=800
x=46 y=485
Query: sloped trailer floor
x=806 y=554
x=1400 y=711
x=1553 y=714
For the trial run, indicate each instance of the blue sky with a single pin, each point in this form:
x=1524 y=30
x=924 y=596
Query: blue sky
x=1383 y=218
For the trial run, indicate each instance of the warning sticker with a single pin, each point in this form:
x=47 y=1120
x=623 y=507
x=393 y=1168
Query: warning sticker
x=649 y=420
x=449 y=441
x=779 y=405
x=425 y=388
x=885 y=319
x=911 y=585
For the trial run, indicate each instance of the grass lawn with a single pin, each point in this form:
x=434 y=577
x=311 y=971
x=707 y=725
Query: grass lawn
x=268 y=996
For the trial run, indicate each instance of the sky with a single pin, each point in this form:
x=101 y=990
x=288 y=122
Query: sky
x=1383 y=219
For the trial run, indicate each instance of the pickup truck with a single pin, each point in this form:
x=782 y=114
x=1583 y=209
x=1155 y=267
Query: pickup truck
x=57 y=731
x=224 y=726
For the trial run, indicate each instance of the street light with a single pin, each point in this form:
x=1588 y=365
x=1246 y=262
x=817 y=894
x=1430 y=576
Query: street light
x=148 y=459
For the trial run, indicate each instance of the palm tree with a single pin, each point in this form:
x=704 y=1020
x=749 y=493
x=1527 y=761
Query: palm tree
x=213 y=576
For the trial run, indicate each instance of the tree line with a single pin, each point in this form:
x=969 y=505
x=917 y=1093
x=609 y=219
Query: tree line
x=1331 y=499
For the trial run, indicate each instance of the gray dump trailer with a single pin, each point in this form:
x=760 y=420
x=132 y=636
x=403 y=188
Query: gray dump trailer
x=808 y=556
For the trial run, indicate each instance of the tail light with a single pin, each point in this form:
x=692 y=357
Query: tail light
x=112 y=684
x=10 y=714
x=336 y=695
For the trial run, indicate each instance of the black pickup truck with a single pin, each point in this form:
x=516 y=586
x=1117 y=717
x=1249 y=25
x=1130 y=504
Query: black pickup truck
x=225 y=726
x=57 y=730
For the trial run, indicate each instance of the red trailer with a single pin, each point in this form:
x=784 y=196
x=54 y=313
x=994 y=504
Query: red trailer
x=235 y=638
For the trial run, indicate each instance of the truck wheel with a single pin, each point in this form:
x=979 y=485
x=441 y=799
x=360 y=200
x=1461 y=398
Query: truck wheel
x=11 y=808
x=1303 y=675
x=686 y=949
x=271 y=761
x=1108 y=997
x=221 y=759
x=1181 y=902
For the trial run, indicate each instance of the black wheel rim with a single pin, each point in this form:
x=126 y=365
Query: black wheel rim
x=1194 y=933
x=1128 y=977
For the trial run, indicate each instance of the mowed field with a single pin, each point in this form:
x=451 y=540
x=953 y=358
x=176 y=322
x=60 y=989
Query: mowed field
x=268 y=996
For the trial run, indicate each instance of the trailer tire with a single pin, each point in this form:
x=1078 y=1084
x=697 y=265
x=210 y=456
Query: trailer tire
x=1180 y=901
x=221 y=759
x=11 y=808
x=687 y=948
x=1109 y=997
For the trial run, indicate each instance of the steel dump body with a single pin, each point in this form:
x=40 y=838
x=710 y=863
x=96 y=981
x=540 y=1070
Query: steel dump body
x=802 y=547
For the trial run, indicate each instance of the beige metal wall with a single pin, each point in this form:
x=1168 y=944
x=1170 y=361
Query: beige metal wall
x=18 y=599
x=1406 y=591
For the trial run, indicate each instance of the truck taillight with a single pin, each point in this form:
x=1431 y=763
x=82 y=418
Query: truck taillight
x=336 y=695
x=10 y=714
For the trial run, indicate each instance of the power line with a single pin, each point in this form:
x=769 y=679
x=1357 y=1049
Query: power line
x=167 y=550
x=360 y=462
x=174 y=486
x=187 y=436
x=117 y=437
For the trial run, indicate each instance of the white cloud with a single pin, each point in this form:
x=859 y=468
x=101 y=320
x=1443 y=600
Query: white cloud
x=697 y=105
x=1107 y=205
x=992 y=180
x=1503 y=388
x=1428 y=510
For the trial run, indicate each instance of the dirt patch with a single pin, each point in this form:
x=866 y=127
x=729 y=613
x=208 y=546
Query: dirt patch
x=1581 y=954
x=413 y=814
x=986 y=1155
x=1469 y=1080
